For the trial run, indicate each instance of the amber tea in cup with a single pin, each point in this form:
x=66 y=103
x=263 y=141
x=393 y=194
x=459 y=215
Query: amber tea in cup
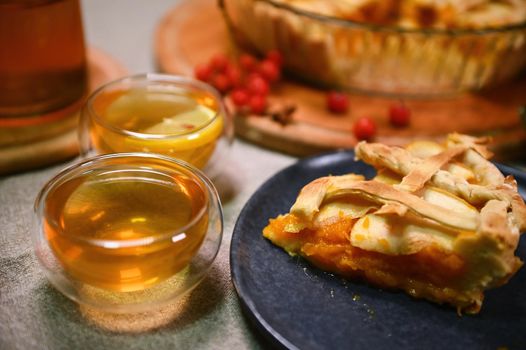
x=128 y=223
x=175 y=116
x=43 y=59
x=123 y=208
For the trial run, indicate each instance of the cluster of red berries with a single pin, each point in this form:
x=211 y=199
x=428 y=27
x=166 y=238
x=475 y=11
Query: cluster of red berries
x=247 y=81
x=364 y=128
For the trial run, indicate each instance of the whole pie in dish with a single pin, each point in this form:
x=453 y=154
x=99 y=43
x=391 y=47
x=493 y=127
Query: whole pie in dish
x=413 y=47
x=440 y=222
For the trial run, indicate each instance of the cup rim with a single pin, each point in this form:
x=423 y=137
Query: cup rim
x=79 y=168
x=175 y=80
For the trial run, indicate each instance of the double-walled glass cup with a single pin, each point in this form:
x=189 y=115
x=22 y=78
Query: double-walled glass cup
x=171 y=115
x=127 y=232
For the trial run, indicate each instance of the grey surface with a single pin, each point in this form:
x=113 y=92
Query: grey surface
x=34 y=316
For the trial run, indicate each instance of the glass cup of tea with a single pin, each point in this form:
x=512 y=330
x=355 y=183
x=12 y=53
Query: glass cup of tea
x=43 y=69
x=127 y=232
x=171 y=115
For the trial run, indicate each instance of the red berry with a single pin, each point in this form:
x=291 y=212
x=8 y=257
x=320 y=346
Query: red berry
x=276 y=57
x=221 y=83
x=253 y=75
x=399 y=115
x=337 y=102
x=257 y=104
x=269 y=70
x=247 y=62
x=234 y=75
x=257 y=85
x=203 y=72
x=364 y=128
x=240 y=97
x=219 y=62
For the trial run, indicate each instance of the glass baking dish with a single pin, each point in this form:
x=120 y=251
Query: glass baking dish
x=333 y=52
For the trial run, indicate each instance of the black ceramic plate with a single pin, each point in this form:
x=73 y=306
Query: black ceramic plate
x=296 y=305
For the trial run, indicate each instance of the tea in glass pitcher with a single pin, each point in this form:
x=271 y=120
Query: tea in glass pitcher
x=42 y=57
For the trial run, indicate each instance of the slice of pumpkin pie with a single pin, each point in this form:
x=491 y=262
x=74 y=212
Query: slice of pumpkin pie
x=440 y=222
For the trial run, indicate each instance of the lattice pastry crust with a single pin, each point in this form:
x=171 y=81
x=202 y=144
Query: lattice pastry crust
x=438 y=221
x=474 y=14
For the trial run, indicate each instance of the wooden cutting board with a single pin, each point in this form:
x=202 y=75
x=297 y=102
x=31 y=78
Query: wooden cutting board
x=194 y=31
x=23 y=148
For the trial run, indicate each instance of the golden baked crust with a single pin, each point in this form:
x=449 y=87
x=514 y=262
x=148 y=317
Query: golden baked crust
x=472 y=14
x=440 y=222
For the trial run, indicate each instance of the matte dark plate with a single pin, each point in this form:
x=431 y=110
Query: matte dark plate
x=296 y=305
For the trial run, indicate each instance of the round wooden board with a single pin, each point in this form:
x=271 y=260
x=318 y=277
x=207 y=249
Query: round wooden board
x=194 y=30
x=39 y=146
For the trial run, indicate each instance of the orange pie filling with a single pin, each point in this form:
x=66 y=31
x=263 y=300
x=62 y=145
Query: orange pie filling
x=430 y=273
